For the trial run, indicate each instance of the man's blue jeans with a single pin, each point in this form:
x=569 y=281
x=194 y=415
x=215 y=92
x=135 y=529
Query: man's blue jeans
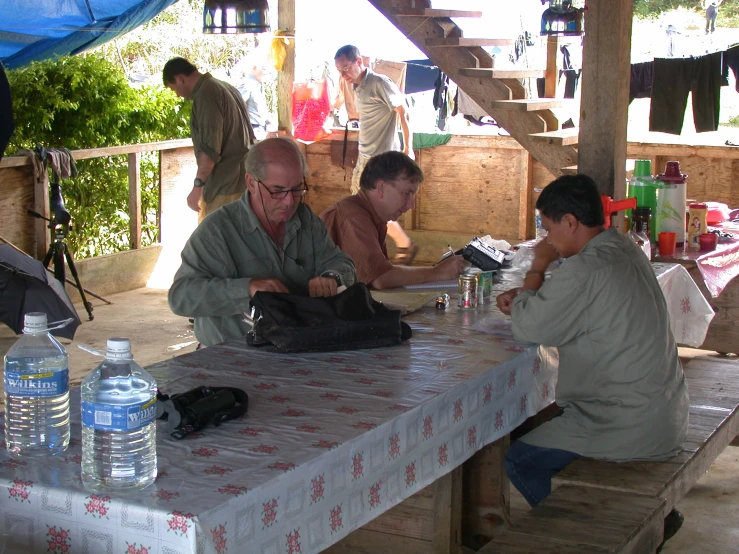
x=531 y=468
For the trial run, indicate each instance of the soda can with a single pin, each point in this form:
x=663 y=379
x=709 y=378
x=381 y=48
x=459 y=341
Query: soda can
x=467 y=298
x=442 y=302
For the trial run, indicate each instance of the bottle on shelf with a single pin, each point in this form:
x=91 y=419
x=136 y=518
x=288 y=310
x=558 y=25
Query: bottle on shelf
x=118 y=423
x=36 y=392
x=639 y=233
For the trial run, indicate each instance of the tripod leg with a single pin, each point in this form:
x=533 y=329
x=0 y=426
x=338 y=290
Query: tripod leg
x=49 y=254
x=73 y=269
x=59 y=272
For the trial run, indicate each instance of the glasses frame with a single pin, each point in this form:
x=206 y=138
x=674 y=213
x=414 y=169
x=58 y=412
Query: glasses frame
x=282 y=194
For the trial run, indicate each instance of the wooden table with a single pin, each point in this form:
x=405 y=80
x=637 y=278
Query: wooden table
x=715 y=275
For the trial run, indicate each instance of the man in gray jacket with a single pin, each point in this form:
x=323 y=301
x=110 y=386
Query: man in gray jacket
x=268 y=240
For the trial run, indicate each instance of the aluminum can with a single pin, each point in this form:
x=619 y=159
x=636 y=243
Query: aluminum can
x=442 y=302
x=468 y=291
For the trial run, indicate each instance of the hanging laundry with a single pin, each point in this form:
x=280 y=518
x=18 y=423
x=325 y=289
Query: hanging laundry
x=642 y=76
x=311 y=109
x=420 y=76
x=441 y=100
x=674 y=78
x=731 y=61
x=395 y=70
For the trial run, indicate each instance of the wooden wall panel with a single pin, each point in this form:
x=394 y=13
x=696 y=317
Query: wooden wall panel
x=16 y=194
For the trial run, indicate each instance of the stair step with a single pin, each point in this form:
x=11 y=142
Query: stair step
x=528 y=105
x=468 y=42
x=493 y=73
x=562 y=137
x=430 y=12
x=569 y=170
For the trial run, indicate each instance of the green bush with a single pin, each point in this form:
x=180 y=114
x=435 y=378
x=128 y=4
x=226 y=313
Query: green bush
x=86 y=102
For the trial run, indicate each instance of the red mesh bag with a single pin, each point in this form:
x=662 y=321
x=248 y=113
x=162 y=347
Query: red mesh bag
x=311 y=108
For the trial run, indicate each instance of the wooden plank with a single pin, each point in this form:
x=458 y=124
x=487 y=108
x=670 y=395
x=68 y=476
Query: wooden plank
x=16 y=226
x=623 y=522
x=605 y=94
x=528 y=105
x=551 y=75
x=41 y=205
x=286 y=76
x=363 y=541
x=509 y=542
x=430 y=12
x=487 y=492
x=450 y=42
x=134 y=199
x=492 y=73
x=570 y=170
x=447 y=515
x=561 y=137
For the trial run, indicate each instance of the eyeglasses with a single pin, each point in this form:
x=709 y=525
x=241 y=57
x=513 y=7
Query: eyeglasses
x=280 y=194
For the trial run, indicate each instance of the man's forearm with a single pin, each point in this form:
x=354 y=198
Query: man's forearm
x=400 y=276
x=205 y=166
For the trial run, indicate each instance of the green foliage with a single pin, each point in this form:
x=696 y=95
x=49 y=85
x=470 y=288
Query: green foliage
x=728 y=14
x=86 y=102
x=733 y=122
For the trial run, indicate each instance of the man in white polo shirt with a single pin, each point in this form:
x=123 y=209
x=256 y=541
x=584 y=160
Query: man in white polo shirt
x=380 y=105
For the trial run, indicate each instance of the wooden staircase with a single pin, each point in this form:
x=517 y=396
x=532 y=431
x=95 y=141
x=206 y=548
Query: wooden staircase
x=499 y=92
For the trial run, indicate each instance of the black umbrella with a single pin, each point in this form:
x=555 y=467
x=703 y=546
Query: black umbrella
x=26 y=286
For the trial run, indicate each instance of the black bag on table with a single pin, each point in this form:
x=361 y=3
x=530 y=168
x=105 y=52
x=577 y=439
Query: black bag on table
x=348 y=321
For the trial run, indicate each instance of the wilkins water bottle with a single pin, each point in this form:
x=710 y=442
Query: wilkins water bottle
x=118 y=423
x=36 y=392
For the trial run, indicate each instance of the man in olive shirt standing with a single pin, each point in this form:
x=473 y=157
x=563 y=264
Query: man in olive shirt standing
x=621 y=386
x=268 y=240
x=221 y=135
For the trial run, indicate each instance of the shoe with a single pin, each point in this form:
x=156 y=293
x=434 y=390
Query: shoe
x=404 y=255
x=673 y=522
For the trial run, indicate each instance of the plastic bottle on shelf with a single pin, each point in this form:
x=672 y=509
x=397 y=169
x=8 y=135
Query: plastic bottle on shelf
x=640 y=227
x=36 y=392
x=118 y=423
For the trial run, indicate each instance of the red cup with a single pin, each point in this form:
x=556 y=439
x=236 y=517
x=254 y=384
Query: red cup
x=667 y=242
x=708 y=242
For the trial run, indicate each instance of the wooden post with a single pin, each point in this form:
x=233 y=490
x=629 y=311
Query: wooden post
x=285 y=78
x=551 y=75
x=605 y=94
x=134 y=199
x=41 y=205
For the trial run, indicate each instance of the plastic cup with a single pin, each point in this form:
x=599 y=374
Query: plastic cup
x=667 y=242
x=708 y=242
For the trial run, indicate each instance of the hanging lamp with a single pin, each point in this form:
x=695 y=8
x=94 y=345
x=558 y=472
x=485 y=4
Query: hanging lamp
x=235 y=16
x=561 y=18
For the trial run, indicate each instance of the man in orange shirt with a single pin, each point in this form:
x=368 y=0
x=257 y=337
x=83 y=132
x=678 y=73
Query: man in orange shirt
x=358 y=224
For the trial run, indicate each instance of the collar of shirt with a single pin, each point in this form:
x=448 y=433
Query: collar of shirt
x=199 y=83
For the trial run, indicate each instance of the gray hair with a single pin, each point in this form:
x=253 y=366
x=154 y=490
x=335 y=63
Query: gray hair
x=274 y=150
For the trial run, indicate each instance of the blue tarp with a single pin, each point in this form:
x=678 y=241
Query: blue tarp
x=33 y=30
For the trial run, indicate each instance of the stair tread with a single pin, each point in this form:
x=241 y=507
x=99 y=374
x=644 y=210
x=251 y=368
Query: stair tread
x=494 y=73
x=561 y=137
x=468 y=42
x=569 y=170
x=430 y=12
x=529 y=104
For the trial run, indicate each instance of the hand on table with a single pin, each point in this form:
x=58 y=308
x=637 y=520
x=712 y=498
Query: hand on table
x=505 y=300
x=266 y=285
x=322 y=286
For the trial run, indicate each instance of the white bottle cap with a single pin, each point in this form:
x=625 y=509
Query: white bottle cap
x=119 y=348
x=33 y=322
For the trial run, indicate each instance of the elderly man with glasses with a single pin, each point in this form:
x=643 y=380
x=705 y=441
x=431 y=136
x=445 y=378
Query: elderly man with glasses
x=268 y=240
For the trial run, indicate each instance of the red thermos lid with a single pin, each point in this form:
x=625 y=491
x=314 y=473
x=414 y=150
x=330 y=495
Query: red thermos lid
x=698 y=206
x=672 y=174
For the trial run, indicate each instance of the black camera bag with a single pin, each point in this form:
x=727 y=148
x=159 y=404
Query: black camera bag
x=348 y=321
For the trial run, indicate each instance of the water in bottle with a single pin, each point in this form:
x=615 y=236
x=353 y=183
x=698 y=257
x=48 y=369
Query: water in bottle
x=36 y=392
x=118 y=423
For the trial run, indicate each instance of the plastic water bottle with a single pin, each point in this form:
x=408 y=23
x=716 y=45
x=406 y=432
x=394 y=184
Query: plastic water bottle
x=36 y=392
x=118 y=423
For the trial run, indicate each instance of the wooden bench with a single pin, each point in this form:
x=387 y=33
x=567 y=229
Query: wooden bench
x=713 y=387
x=583 y=520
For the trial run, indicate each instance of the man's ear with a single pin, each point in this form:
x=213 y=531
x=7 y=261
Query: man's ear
x=251 y=183
x=572 y=222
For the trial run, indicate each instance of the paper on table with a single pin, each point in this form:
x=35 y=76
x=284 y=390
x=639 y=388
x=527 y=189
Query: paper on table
x=451 y=284
x=406 y=302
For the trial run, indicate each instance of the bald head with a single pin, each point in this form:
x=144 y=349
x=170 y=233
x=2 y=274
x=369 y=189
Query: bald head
x=276 y=150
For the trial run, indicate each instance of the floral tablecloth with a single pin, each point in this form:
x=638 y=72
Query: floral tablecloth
x=330 y=442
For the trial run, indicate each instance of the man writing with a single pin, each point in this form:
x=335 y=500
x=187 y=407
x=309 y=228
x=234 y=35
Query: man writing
x=357 y=224
x=221 y=135
x=621 y=386
x=268 y=240
x=380 y=105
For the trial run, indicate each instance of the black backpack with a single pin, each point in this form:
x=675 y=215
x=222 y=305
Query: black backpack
x=348 y=321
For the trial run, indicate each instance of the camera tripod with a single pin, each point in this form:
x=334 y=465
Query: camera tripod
x=58 y=252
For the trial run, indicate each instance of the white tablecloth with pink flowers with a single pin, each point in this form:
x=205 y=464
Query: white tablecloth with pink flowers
x=330 y=441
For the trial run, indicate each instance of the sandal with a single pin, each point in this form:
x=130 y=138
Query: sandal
x=404 y=255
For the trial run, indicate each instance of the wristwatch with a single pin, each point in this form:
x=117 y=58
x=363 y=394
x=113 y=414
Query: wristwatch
x=333 y=275
x=198 y=182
